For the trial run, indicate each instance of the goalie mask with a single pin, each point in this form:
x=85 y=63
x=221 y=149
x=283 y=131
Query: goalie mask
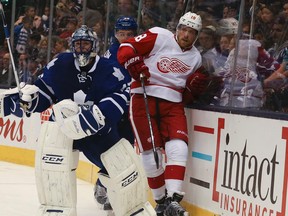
x=83 y=45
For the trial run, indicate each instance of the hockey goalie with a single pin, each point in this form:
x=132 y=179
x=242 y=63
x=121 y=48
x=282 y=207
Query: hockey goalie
x=89 y=95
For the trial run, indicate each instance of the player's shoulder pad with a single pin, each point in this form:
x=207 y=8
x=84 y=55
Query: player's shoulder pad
x=161 y=31
x=65 y=57
x=108 y=66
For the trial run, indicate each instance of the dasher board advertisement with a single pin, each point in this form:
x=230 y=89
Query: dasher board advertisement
x=238 y=165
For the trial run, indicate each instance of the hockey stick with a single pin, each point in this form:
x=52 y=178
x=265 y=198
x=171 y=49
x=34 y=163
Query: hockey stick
x=149 y=121
x=7 y=36
x=23 y=104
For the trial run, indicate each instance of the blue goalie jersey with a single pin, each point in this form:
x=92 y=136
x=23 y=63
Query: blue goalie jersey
x=103 y=84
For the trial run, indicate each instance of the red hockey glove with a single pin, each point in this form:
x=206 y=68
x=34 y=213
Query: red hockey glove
x=136 y=66
x=197 y=83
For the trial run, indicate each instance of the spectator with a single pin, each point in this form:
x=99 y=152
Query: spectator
x=91 y=16
x=43 y=50
x=226 y=29
x=285 y=9
x=38 y=25
x=71 y=26
x=174 y=10
x=277 y=84
x=63 y=15
x=152 y=7
x=22 y=67
x=60 y=46
x=227 y=26
x=30 y=11
x=246 y=29
x=75 y=6
x=232 y=10
x=6 y=73
x=258 y=35
x=252 y=62
x=268 y=13
x=147 y=21
x=3 y=50
x=18 y=25
x=225 y=47
x=207 y=47
x=24 y=34
x=34 y=70
x=280 y=37
x=99 y=5
x=277 y=87
x=207 y=39
x=125 y=8
x=45 y=18
x=32 y=48
x=225 y=12
x=98 y=27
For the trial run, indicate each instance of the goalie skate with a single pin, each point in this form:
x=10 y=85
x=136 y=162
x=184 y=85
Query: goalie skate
x=101 y=197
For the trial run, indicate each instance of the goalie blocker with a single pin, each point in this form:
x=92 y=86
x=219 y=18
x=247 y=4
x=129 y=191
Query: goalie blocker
x=55 y=171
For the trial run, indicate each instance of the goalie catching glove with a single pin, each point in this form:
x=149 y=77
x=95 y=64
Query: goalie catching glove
x=16 y=103
x=78 y=122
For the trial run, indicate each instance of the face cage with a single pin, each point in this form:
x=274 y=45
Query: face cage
x=83 y=58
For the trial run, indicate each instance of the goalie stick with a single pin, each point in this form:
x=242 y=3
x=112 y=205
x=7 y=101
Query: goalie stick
x=149 y=121
x=7 y=36
x=23 y=104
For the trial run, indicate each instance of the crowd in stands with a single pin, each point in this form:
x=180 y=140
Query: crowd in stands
x=252 y=69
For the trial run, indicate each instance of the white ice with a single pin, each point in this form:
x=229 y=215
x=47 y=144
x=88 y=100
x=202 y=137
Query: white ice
x=18 y=195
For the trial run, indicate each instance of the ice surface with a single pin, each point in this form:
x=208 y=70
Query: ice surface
x=18 y=195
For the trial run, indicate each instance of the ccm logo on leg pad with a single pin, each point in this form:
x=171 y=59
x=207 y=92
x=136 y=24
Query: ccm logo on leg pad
x=53 y=159
x=129 y=179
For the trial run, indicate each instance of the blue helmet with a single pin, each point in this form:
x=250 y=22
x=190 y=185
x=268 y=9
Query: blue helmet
x=85 y=34
x=125 y=23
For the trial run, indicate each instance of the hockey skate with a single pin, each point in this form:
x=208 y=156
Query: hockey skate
x=100 y=194
x=174 y=208
x=161 y=205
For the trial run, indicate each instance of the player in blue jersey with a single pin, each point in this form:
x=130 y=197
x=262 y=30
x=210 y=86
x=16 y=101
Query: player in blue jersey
x=125 y=28
x=88 y=94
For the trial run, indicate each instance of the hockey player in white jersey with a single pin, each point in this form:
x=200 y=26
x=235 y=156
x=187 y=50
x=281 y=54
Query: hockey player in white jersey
x=167 y=61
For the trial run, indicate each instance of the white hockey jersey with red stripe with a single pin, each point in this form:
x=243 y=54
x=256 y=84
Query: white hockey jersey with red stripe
x=168 y=64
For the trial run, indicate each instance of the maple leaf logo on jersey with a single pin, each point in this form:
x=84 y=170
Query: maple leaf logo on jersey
x=173 y=65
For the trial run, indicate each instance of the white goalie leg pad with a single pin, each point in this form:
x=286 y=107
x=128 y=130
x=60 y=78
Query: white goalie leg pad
x=127 y=183
x=56 y=211
x=55 y=171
